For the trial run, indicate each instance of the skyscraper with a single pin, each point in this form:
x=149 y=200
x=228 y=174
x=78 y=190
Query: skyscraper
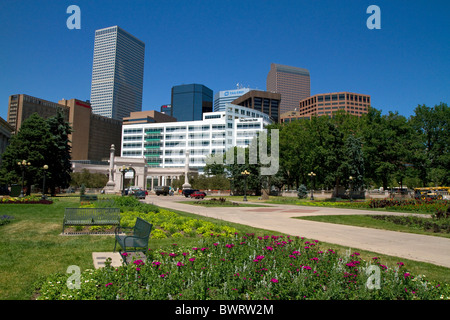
x=291 y=82
x=190 y=101
x=117 y=73
x=221 y=98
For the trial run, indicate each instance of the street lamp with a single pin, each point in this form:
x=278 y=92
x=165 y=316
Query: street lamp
x=23 y=165
x=245 y=173
x=351 y=188
x=312 y=175
x=124 y=170
x=45 y=168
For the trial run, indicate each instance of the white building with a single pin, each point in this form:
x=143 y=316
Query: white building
x=117 y=73
x=222 y=98
x=164 y=145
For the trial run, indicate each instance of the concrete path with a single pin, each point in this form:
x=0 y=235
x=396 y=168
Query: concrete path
x=435 y=250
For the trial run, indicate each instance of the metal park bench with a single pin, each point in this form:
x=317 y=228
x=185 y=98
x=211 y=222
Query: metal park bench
x=91 y=217
x=137 y=238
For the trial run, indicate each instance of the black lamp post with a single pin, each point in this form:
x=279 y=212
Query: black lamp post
x=23 y=166
x=351 y=188
x=45 y=168
x=312 y=175
x=124 y=170
x=245 y=173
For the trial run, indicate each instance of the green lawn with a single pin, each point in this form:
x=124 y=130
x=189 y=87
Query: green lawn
x=368 y=222
x=32 y=247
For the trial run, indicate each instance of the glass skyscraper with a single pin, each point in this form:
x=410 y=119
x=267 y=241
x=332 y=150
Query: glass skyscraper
x=190 y=101
x=117 y=73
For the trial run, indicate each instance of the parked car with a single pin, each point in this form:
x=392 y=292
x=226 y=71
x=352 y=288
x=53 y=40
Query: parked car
x=188 y=192
x=161 y=190
x=198 y=195
x=140 y=194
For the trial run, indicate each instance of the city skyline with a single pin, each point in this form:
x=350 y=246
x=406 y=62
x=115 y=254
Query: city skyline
x=400 y=66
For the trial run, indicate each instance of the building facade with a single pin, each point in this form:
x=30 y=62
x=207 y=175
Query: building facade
x=21 y=106
x=164 y=145
x=190 y=101
x=117 y=73
x=266 y=102
x=92 y=134
x=328 y=104
x=222 y=98
x=151 y=116
x=291 y=82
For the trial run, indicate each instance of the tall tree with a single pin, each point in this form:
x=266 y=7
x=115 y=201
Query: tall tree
x=59 y=153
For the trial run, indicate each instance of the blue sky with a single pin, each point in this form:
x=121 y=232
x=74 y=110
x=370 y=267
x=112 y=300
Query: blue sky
x=222 y=43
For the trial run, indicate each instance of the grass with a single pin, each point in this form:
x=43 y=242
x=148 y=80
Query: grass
x=368 y=222
x=32 y=247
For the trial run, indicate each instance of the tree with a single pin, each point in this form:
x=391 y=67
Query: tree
x=59 y=154
x=32 y=143
x=40 y=142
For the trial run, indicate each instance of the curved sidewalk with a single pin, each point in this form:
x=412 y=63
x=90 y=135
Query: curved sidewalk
x=435 y=250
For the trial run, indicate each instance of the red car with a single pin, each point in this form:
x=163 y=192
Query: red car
x=198 y=195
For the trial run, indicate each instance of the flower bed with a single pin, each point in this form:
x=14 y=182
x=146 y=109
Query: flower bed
x=247 y=267
x=25 y=200
x=170 y=224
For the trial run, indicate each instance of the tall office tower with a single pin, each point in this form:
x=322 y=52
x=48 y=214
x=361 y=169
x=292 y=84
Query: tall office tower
x=221 y=98
x=117 y=73
x=291 y=82
x=190 y=101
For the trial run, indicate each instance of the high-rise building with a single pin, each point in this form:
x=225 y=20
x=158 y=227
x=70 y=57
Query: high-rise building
x=117 y=73
x=191 y=101
x=327 y=104
x=266 y=102
x=291 y=82
x=166 y=109
x=165 y=144
x=221 y=98
x=92 y=134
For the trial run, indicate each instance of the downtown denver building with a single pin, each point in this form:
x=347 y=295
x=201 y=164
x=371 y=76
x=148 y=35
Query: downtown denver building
x=164 y=145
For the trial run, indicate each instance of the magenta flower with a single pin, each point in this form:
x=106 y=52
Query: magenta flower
x=138 y=269
x=192 y=259
x=179 y=264
x=108 y=284
x=139 y=262
x=274 y=280
x=156 y=263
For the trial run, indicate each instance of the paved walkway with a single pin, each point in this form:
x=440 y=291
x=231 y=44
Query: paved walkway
x=435 y=250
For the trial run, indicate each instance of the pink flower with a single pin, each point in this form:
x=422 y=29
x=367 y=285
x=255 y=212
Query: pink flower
x=108 y=284
x=179 y=264
x=139 y=262
x=192 y=259
x=156 y=263
x=138 y=269
x=274 y=280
